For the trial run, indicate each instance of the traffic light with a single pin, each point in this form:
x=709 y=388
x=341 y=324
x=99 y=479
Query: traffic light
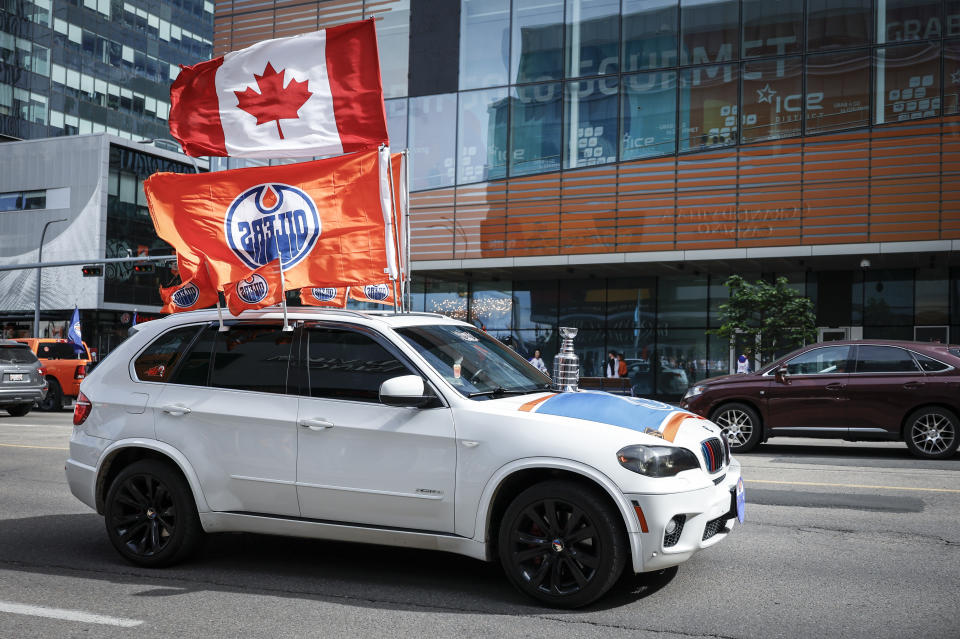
x=93 y=270
x=144 y=268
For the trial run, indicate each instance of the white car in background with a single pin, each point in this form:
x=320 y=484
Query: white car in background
x=409 y=430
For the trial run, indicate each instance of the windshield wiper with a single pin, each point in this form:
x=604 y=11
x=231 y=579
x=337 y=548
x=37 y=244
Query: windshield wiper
x=500 y=391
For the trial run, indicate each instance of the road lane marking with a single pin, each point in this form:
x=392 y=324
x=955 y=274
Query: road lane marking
x=813 y=483
x=67 y=615
x=26 y=446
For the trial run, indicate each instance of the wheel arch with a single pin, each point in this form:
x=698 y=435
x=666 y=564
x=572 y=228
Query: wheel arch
x=125 y=452
x=515 y=477
x=751 y=402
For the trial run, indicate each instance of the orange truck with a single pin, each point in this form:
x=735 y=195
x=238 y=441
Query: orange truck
x=66 y=367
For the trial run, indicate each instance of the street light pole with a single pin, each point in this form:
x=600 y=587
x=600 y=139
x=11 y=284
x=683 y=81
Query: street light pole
x=36 y=308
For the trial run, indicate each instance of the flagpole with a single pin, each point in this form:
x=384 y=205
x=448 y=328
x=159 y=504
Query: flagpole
x=397 y=300
x=283 y=283
x=405 y=203
x=222 y=328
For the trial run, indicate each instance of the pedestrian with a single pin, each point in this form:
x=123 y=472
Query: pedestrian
x=613 y=368
x=743 y=365
x=622 y=366
x=537 y=361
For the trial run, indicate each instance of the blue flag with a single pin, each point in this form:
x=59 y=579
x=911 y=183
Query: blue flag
x=73 y=333
x=134 y=322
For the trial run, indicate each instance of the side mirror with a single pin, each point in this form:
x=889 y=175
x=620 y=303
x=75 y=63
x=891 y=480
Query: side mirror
x=782 y=375
x=406 y=390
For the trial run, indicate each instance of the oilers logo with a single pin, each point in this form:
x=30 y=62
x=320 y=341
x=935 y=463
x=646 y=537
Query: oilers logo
x=270 y=220
x=323 y=294
x=76 y=329
x=186 y=296
x=377 y=292
x=253 y=289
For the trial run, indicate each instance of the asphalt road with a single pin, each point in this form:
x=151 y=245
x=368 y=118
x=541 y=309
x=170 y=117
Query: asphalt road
x=846 y=540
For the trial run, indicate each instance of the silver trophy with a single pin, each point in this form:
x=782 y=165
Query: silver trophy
x=566 y=365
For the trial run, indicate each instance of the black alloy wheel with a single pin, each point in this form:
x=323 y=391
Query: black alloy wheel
x=562 y=543
x=19 y=410
x=54 y=399
x=740 y=424
x=150 y=514
x=932 y=433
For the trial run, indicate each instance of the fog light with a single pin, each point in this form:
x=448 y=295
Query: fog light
x=671 y=527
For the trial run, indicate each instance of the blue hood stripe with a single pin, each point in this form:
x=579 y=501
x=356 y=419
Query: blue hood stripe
x=635 y=413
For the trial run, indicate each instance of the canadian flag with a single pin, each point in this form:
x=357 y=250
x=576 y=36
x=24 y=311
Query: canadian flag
x=313 y=94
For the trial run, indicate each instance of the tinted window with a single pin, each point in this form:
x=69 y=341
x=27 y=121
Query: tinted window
x=820 y=361
x=884 y=359
x=58 y=350
x=649 y=34
x=347 y=365
x=930 y=365
x=648 y=105
x=195 y=369
x=838 y=91
x=16 y=355
x=907 y=82
x=252 y=358
x=708 y=107
x=156 y=364
x=833 y=24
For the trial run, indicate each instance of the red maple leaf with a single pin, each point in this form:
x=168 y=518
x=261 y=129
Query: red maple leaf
x=274 y=102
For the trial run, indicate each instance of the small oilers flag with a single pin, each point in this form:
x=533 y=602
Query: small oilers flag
x=313 y=94
x=196 y=293
x=326 y=220
x=74 y=334
x=324 y=296
x=263 y=287
x=376 y=293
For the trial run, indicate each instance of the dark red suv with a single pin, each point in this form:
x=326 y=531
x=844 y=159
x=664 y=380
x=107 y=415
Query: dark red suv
x=853 y=390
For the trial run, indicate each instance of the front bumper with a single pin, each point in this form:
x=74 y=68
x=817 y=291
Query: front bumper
x=714 y=506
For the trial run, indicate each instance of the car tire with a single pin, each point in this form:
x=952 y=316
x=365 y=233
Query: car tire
x=562 y=543
x=151 y=516
x=54 y=399
x=19 y=410
x=932 y=433
x=742 y=425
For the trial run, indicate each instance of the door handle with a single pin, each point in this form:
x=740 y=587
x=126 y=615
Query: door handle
x=175 y=410
x=315 y=424
x=835 y=386
x=912 y=385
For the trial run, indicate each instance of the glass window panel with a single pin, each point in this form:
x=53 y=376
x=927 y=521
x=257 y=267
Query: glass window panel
x=951 y=77
x=433 y=126
x=484 y=43
x=593 y=37
x=838 y=24
x=838 y=91
x=482 y=135
x=491 y=306
x=930 y=365
x=535 y=135
x=829 y=360
x=932 y=298
x=680 y=360
x=772 y=99
x=393 y=42
x=590 y=113
x=888 y=298
x=537 y=41
x=527 y=341
x=535 y=305
x=195 y=369
x=638 y=349
x=582 y=304
x=899 y=333
x=709 y=31
x=907 y=82
x=649 y=34
x=591 y=351
x=631 y=305
x=348 y=365
x=906 y=20
x=397 y=122
x=884 y=359
x=682 y=301
x=649 y=109
x=446 y=298
x=951 y=18
x=157 y=362
x=708 y=107
x=772 y=27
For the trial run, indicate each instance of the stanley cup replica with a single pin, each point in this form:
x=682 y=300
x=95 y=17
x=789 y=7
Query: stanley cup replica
x=566 y=366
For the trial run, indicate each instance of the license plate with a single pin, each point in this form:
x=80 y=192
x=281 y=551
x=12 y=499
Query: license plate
x=741 y=501
x=15 y=377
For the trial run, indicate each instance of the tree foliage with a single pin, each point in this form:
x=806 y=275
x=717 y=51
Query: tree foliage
x=773 y=318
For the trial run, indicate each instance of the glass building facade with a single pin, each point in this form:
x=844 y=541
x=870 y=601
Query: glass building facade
x=96 y=66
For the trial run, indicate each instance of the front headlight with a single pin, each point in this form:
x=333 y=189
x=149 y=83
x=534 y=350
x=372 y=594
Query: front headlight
x=657 y=461
x=693 y=391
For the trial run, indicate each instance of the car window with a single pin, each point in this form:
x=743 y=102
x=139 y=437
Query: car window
x=884 y=359
x=194 y=370
x=59 y=350
x=345 y=364
x=157 y=362
x=16 y=355
x=251 y=358
x=930 y=365
x=820 y=361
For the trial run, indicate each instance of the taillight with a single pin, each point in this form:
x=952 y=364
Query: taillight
x=41 y=371
x=81 y=409
x=81 y=372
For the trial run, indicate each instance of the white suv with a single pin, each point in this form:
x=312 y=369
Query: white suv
x=408 y=430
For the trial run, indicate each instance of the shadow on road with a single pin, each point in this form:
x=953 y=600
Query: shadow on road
x=352 y=574
x=861 y=454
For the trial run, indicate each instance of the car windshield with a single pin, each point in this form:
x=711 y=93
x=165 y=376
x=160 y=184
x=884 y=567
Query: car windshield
x=474 y=363
x=16 y=355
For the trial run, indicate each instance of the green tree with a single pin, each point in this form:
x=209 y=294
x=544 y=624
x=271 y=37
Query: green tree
x=773 y=318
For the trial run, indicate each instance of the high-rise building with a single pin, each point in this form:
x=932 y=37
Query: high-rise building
x=606 y=164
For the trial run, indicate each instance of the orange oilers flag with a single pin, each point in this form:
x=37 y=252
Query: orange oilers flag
x=194 y=293
x=329 y=220
x=262 y=287
x=324 y=296
x=376 y=293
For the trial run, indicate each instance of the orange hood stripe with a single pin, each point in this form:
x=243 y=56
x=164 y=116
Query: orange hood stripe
x=672 y=425
x=529 y=406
